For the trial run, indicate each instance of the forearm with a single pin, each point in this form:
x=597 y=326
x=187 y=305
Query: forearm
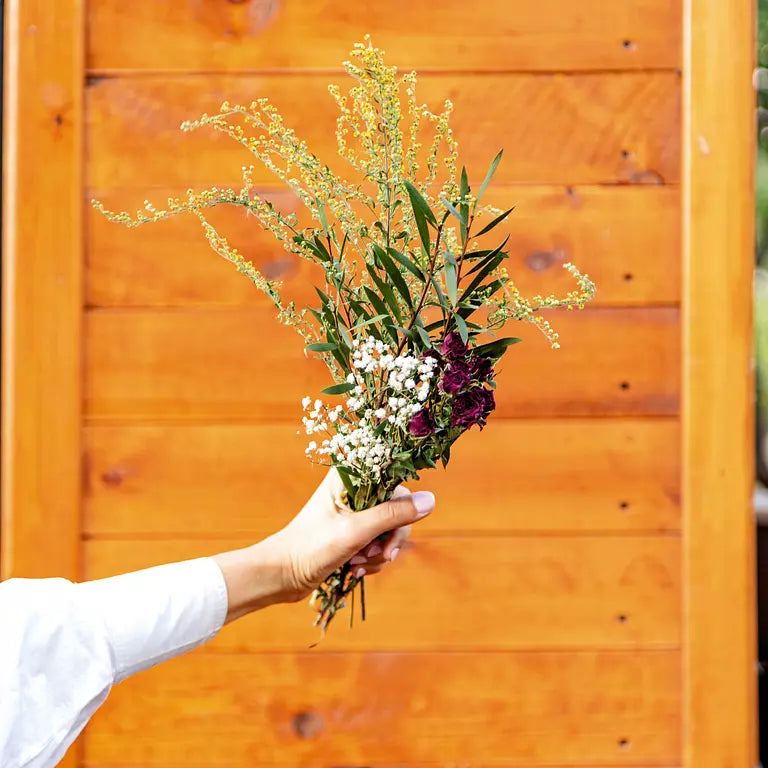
x=254 y=577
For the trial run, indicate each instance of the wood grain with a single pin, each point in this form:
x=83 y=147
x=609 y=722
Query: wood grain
x=214 y=364
x=361 y=709
x=249 y=479
x=498 y=34
x=556 y=129
x=608 y=232
x=42 y=297
x=468 y=593
x=720 y=699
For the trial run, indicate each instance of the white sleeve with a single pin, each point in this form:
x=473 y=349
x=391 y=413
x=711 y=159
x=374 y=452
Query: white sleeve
x=63 y=645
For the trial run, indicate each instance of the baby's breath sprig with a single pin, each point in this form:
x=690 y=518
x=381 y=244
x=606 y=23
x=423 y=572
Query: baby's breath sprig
x=403 y=247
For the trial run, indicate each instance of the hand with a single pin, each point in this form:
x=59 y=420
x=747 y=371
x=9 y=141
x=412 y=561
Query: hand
x=288 y=565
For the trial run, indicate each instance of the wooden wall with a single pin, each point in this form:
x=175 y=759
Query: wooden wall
x=557 y=609
x=535 y=620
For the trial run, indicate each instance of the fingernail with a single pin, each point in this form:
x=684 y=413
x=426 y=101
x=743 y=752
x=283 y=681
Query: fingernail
x=424 y=501
x=373 y=550
x=395 y=552
x=357 y=559
x=359 y=573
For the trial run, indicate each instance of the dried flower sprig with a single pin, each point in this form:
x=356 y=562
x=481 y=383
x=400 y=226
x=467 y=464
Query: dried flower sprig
x=406 y=270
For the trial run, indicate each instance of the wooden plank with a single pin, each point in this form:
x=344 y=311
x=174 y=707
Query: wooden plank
x=557 y=129
x=718 y=382
x=369 y=764
x=526 y=475
x=468 y=593
x=211 y=364
x=42 y=275
x=361 y=709
x=516 y=35
x=607 y=231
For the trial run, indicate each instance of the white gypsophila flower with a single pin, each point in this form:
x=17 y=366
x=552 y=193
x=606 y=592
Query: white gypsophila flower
x=305 y=402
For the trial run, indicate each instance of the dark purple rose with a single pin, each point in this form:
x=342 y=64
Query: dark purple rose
x=480 y=368
x=472 y=407
x=455 y=378
x=489 y=404
x=453 y=347
x=422 y=424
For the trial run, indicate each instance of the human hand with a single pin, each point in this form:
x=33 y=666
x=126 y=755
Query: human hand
x=288 y=565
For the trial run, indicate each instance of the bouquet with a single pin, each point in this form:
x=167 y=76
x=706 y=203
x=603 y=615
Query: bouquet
x=413 y=285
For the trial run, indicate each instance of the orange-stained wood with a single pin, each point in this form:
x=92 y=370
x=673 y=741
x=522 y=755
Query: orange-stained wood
x=240 y=364
x=391 y=709
x=526 y=475
x=468 y=593
x=718 y=381
x=608 y=232
x=42 y=298
x=290 y=34
x=555 y=128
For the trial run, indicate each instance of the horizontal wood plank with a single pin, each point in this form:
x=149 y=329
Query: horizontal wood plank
x=389 y=709
x=556 y=129
x=215 y=36
x=214 y=364
x=608 y=232
x=526 y=475
x=468 y=593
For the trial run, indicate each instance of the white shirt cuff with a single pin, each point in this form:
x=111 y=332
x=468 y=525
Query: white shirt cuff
x=155 y=614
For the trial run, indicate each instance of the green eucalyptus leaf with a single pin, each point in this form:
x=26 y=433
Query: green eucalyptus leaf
x=422 y=213
x=367 y=321
x=387 y=293
x=396 y=277
x=495 y=349
x=488 y=177
x=422 y=332
x=322 y=346
x=452 y=208
x=491 y=254
x=338 y=389
x=462 y=326
x=450 y=281
x=321 y=215
x=346 y=477
x=407 y=263
x=381 y=307
x=497 y=220
x=490 y=265
x=464 y=206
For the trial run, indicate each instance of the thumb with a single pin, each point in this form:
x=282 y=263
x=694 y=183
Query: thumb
x=396 y=512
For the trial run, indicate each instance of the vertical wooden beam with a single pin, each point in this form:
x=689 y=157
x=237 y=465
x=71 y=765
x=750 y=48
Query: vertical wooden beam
x=718 y=481
x=42 y=294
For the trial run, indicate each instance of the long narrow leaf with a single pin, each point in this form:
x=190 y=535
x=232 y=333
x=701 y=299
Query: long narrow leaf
x=407 y=263
x=450 y=282
x=464 y=206
x=396 y=277
x=387 y=293
x=491 y=255
x=493 y=262
x=422 y=213
x=488 y=177
x=462 y=326
x=497 y=220
x=338 y=389
x=495 y=349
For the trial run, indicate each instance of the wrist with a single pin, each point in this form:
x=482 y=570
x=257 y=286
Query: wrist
x=255 y=578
